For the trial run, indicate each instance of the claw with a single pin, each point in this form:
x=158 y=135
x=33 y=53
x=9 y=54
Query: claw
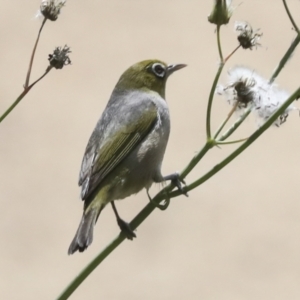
x=160 y=206
x=177 y=181
x=125 y=228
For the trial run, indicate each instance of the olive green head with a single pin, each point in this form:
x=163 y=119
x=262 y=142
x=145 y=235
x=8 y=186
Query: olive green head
x=148 y=75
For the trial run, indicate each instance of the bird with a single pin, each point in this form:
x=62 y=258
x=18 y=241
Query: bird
x=125 y=151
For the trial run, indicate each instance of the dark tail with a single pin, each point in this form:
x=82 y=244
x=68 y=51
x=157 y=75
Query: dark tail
x=84 y=235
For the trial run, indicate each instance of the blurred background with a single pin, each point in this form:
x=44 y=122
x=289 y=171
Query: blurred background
x=235 y=237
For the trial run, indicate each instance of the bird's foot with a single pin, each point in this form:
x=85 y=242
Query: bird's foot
x=125 y=228
x=177 y=181
x=163 y=206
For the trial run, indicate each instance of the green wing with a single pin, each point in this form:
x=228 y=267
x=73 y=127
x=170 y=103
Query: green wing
x=131 y=128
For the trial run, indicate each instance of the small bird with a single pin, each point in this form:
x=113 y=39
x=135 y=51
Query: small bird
x=125 y=151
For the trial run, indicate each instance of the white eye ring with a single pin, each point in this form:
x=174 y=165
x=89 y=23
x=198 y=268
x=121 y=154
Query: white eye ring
x=159 y=70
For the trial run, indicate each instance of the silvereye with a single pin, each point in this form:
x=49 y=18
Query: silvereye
x=125 y=151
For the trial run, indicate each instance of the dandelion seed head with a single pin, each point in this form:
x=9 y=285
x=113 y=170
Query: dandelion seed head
x=247 y=37
x=241 y=89
x=50 y=9
x=245 y=87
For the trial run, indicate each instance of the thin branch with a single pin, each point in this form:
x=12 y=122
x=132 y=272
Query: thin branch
x=235 y=125
x=149 y=208
x=49 y=68
x=166 y=192
x=231 y=142
x=213 y=88
x=91 y=267
x=285 y=58
x=210 y=100
x=230 y=54
x=219 y=43
x=32 y=55
x=291 y=48
x=245 y=145
x=22 y=95
x=226 y=120
x=15 y=103
x=291 y=17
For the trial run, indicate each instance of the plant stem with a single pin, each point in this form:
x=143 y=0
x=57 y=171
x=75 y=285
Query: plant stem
x=227 y=119
x=285 y=58
x=213 y=88
x=22 y=95
x=219 y=43
x=7 y=112
x=90 y=268
x=149 y=208
x=235 y=125
x=32 y=55
x=228 y=56
x=27 y=87
x=144 y=213
x=290 y=16
x=208 y=145
x=231 y=142
x=49 y=68
x=241 y=148
x=210 y=100
x=290 y=49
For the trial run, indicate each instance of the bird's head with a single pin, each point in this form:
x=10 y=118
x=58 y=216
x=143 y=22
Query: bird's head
x=149 y=75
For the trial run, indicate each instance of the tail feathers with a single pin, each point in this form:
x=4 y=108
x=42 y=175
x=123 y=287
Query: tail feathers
x=84 y=235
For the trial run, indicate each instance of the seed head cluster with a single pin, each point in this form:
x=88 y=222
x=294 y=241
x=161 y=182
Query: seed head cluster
x=50 y=9
x=247 y=37
x=246 y=88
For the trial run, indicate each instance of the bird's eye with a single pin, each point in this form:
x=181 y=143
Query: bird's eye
x=159 y=70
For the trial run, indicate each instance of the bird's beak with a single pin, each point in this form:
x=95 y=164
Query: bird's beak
x=174 y=67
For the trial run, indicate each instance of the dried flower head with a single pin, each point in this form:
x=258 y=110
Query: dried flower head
x=248 y=88
x=60 y=57
x=246 y=36
x=221 y=12
x=50 y=9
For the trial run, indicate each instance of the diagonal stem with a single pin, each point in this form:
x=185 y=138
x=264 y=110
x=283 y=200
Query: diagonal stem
x=241 y=148
x=22 y=95
x=290 y=16
x=291 y=49
x=32 y=55
x=227 y=119
x=149 y=208
x=228 y=56
x=285 y=58
x=236 y=124
x=15 y=103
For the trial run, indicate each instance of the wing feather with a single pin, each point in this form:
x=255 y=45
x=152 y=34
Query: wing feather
x=122 y=136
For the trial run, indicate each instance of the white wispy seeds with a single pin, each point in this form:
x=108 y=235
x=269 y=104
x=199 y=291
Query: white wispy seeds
x=246 y=87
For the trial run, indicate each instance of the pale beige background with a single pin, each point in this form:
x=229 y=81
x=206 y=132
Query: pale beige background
x=235 y=237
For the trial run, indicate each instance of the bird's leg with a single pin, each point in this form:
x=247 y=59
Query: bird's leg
x=157 y=205
x=124 y=226
x=177 y=181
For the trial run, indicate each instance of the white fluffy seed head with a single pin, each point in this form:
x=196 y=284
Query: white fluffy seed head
x=245 y=87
